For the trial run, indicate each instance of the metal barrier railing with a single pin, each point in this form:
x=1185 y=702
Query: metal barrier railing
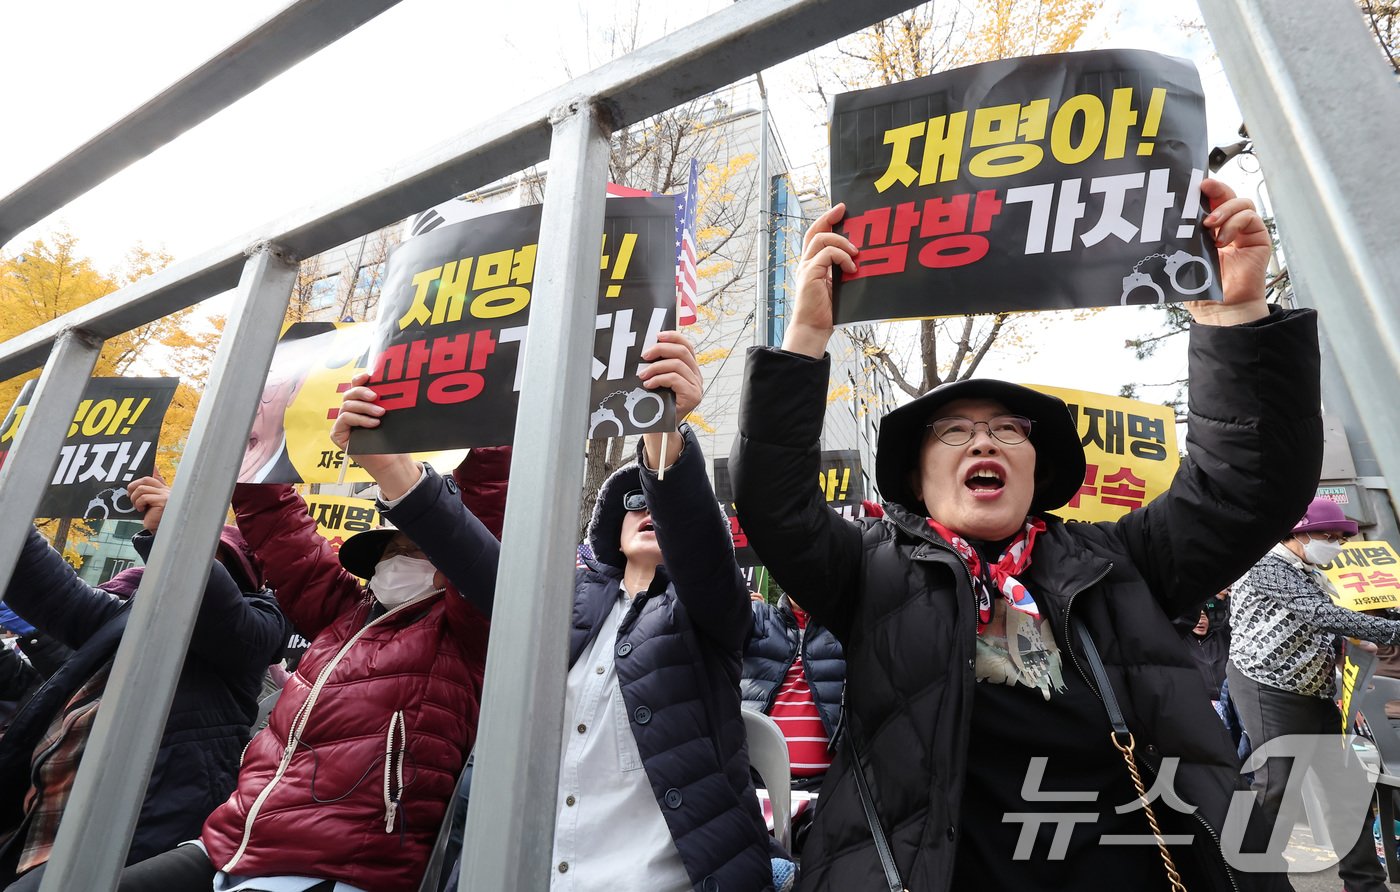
x=1324 y=113
x=1312 y=88
x=298 y=31
x=522 y=708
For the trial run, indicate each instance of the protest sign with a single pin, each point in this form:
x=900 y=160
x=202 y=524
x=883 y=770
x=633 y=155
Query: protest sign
x=839 y=478
x=1357 y=664
x=111 y=442
x=448 y=354
x=1049 y=182
x=1129 y=449
x=311 y=369
x=1363 y=576
x=339 y=517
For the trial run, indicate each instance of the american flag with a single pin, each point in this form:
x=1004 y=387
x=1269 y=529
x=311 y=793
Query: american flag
x=687 y=283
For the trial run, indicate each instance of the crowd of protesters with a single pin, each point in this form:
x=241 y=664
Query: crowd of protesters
x=979 y=693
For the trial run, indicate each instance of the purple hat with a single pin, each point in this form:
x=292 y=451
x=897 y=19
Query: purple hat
x=1325 y=515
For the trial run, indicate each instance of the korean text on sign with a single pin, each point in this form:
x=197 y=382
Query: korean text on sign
x=1039 y=183
x=1129 y=450
x=1365 y=576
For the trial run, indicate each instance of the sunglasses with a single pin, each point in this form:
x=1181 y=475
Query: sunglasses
x=636 y=500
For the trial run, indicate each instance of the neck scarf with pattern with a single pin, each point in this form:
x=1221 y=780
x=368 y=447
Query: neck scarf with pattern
x=1014 y=643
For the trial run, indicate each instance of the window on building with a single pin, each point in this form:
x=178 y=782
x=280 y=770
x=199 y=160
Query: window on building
x=114 y=565
x=323 y=291
x=367 y=282
x=125 y=529
x=784 y=249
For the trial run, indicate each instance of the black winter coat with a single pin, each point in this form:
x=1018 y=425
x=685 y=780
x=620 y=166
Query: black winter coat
x=770 y=652
x=900 y=599
x=1211 y=652
x=235 y=637
x=678 y=651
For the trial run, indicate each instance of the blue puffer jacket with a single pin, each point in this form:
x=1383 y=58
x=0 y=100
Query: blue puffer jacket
x=772 y=648
x=696 y=612
x=236 y=635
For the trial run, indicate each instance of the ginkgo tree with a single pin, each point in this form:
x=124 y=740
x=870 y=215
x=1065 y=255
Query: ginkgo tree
x=49 y=278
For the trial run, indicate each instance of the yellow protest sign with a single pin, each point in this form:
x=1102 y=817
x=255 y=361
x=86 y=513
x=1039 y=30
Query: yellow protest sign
x=1129 y=448
x=338 y=517
x=1364 y=577
x=311 y=370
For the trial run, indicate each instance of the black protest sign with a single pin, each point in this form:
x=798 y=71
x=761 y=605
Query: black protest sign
x=449 y=346
x=1049 y=182
x=839 y=478
x=111 y=442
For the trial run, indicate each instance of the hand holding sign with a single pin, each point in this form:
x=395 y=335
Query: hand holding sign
x=149 y=495
x=1244 y=245
x=672 y=365
x=810 y=325
x=394 y=472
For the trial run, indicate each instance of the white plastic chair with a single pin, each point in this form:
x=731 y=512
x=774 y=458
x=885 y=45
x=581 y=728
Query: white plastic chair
x=768 y=754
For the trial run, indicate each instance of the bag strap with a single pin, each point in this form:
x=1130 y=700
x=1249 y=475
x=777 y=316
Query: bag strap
x=867 y=802
x=1122 y=740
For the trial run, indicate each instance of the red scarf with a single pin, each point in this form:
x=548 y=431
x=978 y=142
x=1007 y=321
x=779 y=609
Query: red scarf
x=1013 y=561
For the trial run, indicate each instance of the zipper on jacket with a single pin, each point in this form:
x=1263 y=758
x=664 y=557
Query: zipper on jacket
x=969 y=681
x=299 y=722
x=1069 y=642
x=787 y=667
x=1069 y=645
x=395 y=747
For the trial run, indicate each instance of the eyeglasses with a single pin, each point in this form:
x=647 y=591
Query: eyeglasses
x=402 y=546
x=1334 y=538
x=955 y=430
x=636 y=500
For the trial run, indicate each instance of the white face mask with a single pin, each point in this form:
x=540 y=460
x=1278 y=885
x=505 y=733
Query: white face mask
x=400 y=579
x=1319 y=551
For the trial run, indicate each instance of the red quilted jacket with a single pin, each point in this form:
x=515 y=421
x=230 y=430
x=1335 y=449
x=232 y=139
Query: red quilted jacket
x=384 y=713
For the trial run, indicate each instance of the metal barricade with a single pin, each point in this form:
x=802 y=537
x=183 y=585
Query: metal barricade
x=522 y=708
x=1319 y=105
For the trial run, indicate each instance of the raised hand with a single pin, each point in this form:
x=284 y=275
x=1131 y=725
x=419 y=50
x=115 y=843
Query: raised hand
x=149 y=496
x=1244 y=247
x=394 y=473
x=673 y=365
x=809 y=319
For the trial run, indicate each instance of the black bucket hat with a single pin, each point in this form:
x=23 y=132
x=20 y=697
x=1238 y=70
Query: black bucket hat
x=1059 y=456
x=361 y=552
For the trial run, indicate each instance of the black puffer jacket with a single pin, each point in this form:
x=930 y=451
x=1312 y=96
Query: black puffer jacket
x=236 y=635
x=678 y=651
x=769 y=655
x=901 y=602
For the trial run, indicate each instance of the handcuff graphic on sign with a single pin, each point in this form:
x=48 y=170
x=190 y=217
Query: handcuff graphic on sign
x=1172 y=265
x=109 y=502
x=631 y=400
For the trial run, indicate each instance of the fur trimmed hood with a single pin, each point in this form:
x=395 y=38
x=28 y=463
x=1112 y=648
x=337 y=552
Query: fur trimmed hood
x=605 y=528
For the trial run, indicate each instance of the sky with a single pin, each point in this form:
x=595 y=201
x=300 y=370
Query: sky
x=418 y=74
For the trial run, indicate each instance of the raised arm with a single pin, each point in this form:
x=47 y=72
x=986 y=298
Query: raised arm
x=301 y=566
x=1254 y=441
x=430 y=512
x=1274 y=579
x=483 y=479
x=696 y=548
x=46 y=593
x=812 y=551
x=452 y=539
x=233 y=628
